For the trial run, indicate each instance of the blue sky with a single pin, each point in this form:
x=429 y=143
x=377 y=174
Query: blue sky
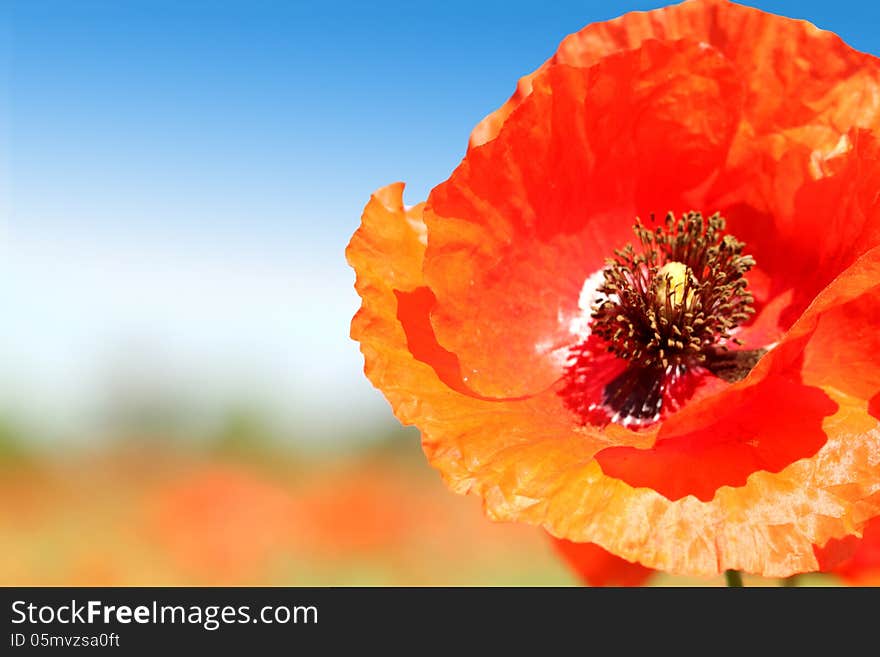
x=180 y=180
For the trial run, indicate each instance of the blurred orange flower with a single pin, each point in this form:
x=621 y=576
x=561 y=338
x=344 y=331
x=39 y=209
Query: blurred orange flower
x=700 y=401
x=220 y=523
x=354 y=510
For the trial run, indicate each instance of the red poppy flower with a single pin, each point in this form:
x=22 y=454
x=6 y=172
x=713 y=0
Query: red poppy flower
x=643 y=312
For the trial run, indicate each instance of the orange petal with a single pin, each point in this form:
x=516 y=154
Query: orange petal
x=762 y=427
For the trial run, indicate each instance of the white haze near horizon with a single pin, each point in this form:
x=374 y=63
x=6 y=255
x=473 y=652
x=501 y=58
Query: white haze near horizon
x=205 y=326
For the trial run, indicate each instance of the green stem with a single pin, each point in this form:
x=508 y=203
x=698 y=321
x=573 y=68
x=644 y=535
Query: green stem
x=734 y=578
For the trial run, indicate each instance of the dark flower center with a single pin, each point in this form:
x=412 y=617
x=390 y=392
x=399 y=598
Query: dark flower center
x=676 y=299
x=670 y=308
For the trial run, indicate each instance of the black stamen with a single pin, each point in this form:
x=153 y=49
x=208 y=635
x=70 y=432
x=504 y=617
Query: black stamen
x=653 y=321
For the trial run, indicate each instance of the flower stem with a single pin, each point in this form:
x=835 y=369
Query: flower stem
x=734 y=578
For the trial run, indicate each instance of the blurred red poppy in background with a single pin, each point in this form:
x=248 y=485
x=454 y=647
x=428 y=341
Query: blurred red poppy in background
x=220 y=523
x=689 y=393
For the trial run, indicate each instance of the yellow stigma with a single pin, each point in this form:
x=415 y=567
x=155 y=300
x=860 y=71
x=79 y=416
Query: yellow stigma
x=677 y=274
